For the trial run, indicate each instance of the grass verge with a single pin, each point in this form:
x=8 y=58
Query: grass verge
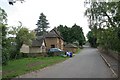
x=0 y=72
x=25 y=65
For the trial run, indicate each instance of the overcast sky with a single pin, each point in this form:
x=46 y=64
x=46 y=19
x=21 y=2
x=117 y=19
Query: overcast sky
x=65 y=12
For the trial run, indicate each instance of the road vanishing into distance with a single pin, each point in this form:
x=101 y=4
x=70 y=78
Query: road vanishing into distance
x=86 y=64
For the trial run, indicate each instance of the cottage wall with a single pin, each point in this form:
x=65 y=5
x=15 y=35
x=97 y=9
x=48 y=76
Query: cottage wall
x=61 y=44
x=70 y=49
x=50 y=41
x=38 y=49
x=35 y=50
x=24 y=48
x=58 y=43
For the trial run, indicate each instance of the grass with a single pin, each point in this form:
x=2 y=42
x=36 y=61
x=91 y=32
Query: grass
x=0 y=72
x=25 y=65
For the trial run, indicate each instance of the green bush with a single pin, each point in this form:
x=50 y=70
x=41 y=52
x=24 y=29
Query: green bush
x=50 y=54
x=4 y=57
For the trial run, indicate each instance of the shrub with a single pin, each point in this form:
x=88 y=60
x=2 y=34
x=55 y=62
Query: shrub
x=50 y=54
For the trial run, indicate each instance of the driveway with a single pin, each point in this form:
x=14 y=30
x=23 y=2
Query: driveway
x=87 y=64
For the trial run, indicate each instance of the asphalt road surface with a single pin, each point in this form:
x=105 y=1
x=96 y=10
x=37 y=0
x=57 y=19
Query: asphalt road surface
x=87 y=64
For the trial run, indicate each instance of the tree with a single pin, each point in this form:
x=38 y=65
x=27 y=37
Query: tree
x=21 y=36
x=13 y=31
x=77 y=34
x=65 y=33
x=3 y=16
x=42 y=25
x=72 y=35
x=24 y=36
x=104 y=22
x=3 y=39
x=92 y=39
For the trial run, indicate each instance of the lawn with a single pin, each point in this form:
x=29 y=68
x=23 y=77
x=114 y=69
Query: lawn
x=0 y=72
x=25 y=65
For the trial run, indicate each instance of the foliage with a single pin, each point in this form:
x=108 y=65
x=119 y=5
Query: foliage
x=77 y=34
x=50 y=54
x=3 y=16
x=23 y=36
x=3 y=38
x=92 y=39
x=104 y=22
x=72 y=35
x=42 y=25
x=4 y=44
x=10 y=46
x=65 y=33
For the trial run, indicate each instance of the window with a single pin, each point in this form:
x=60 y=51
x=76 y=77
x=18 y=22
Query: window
x=52 y=46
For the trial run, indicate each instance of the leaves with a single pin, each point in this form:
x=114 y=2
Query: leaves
x=42 y=25
x=24 y=36
x=3 y=16
x=71 y=35
x=104 y=21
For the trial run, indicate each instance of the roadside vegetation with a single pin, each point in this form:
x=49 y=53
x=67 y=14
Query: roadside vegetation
x=22 y=66
x=72 y=35
x=104 y=22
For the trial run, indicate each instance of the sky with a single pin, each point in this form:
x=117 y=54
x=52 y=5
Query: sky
x=64 y=12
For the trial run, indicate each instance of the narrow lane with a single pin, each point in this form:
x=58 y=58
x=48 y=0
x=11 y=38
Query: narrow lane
x=87 y=64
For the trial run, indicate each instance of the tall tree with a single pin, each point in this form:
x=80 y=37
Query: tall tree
x=65 y=33
x=104 y=22
x=73 y=34
x=3 y=16
x=92 y=39
x=3 y=38
x=77 y=34
x=23 y=36
x=42 y=25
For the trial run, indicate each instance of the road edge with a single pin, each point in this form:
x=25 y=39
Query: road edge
x=108 y=64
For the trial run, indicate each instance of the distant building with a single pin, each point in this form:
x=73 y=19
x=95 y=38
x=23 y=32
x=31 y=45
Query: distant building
x=70 y=47
x=53 y=39
x=38 y=45
x=41 y=44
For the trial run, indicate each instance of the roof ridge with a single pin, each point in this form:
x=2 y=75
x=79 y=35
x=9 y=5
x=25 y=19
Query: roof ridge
x=56 y=31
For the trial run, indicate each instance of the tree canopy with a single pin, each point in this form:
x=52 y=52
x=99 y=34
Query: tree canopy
x=10 y=45
x=73 y=34
x=104 y=22
x=42 y=25
x=3 y=33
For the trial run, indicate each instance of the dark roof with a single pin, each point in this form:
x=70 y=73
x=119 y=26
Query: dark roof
x=38 y=41
x=70 y=45
x=53 y=33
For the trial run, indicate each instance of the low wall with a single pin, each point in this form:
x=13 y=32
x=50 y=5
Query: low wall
x=34 y=54
x=70 y=49
x=111 y=53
